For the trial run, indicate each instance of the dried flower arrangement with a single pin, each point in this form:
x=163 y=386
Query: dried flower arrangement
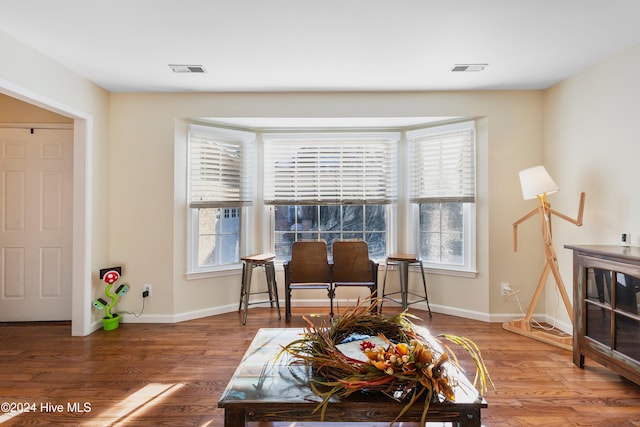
x=396 y=358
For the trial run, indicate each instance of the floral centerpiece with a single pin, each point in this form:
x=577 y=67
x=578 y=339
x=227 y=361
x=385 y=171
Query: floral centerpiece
x=391 y=357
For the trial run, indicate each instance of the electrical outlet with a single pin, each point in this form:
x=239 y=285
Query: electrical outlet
x=146 y=292
x=505 y=289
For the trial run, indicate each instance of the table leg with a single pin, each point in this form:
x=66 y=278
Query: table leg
x=470 y=418
x=235 y=418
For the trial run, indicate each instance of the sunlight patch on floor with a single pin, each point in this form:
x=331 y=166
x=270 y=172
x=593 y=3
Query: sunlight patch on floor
x=135 y=404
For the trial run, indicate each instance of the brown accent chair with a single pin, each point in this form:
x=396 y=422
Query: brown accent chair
x=352 y=266
x=308 y=269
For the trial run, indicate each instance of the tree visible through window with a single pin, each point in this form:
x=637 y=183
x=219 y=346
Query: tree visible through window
x=330 y=223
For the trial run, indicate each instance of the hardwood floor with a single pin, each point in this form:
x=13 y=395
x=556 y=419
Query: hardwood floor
x=173 y=374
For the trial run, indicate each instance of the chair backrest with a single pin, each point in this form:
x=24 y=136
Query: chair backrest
x=309 y=263
x=351 y=262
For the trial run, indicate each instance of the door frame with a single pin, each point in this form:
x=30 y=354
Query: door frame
x=82 y=209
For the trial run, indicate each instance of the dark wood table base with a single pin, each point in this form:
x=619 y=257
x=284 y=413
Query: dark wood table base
x=264 y=391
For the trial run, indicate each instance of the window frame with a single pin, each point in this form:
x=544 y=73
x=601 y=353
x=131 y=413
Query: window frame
x=393 y=138
x=245 y=209
x=469 y=235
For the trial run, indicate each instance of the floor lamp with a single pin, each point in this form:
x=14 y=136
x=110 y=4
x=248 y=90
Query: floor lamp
x=536 y=183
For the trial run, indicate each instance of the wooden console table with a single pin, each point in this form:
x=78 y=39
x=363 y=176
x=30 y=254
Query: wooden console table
x=606 y=308
x=263 y=391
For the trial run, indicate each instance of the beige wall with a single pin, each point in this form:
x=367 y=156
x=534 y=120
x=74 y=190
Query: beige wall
x=148 y=215
x=14 y=111
x=591 y=144
x=582 y=129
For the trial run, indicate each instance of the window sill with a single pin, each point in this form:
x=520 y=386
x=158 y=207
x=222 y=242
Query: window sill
x=447 y=272
x=227 y=270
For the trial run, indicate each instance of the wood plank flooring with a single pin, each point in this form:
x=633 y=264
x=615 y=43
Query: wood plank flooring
x=173 y=374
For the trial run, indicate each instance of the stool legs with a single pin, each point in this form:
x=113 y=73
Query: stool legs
x=247 y=270
x=403 y=272
x=424 y=283
x=245 y=288
x=270 y=270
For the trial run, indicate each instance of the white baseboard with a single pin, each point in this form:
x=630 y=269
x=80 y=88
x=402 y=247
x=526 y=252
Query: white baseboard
x=338 y=306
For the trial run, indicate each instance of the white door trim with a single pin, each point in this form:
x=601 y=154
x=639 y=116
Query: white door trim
x=82 y=180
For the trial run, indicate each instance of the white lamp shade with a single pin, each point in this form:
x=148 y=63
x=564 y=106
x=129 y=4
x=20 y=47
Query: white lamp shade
x=536 y=181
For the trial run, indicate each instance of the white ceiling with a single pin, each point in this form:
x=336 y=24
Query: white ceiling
x=328 y=45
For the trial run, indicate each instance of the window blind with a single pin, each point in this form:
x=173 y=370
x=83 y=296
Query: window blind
x=219 y=168
x=443 y=164
x=336 y=169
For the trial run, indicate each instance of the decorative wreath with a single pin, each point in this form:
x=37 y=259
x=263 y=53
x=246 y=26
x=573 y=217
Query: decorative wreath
x=366 y=351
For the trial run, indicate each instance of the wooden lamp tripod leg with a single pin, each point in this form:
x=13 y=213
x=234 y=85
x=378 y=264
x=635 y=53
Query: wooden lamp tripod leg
x=523 y=326
x=536 y=296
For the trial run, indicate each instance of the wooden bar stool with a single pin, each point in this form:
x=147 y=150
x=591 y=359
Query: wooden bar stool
x=403 y=261
x=249 y=263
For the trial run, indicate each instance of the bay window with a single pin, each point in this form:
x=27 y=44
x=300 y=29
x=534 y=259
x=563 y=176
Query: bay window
x=332 y=185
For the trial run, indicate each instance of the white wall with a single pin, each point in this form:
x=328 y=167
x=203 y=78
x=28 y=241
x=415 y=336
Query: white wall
x=148 y=188
x=32 y=77
x=591 y=144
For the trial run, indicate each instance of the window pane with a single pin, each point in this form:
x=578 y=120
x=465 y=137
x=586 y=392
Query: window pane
x=330 y=218
x=307 y=218
x=352 y=218
x=352 y=236
x=284 y=218
x=330 y=223
x=442 y=233
x=330 y=238
x=207 y=221
x=452 y=248
x=283 y=242
x=377 y=243
x=430 y=247
x=218 y=236
x=376 y=218
x=206 y=251
x=430 y=217
x=451 y=217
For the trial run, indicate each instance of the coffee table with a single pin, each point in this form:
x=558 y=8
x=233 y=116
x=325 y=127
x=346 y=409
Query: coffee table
x=262 y=389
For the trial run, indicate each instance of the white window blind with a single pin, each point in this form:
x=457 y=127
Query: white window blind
x=330 y=169
x=219 y=168
x=443 y=164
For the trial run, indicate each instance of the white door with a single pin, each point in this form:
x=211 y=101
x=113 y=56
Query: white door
x=35 y=224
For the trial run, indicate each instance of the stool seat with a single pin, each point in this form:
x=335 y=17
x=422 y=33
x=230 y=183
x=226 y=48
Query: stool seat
x=259 y=258
x=403 y=257
x=403 y=261
x=249 y=263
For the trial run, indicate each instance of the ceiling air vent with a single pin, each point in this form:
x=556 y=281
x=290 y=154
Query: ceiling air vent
x=469 y=67
x=181 y=68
